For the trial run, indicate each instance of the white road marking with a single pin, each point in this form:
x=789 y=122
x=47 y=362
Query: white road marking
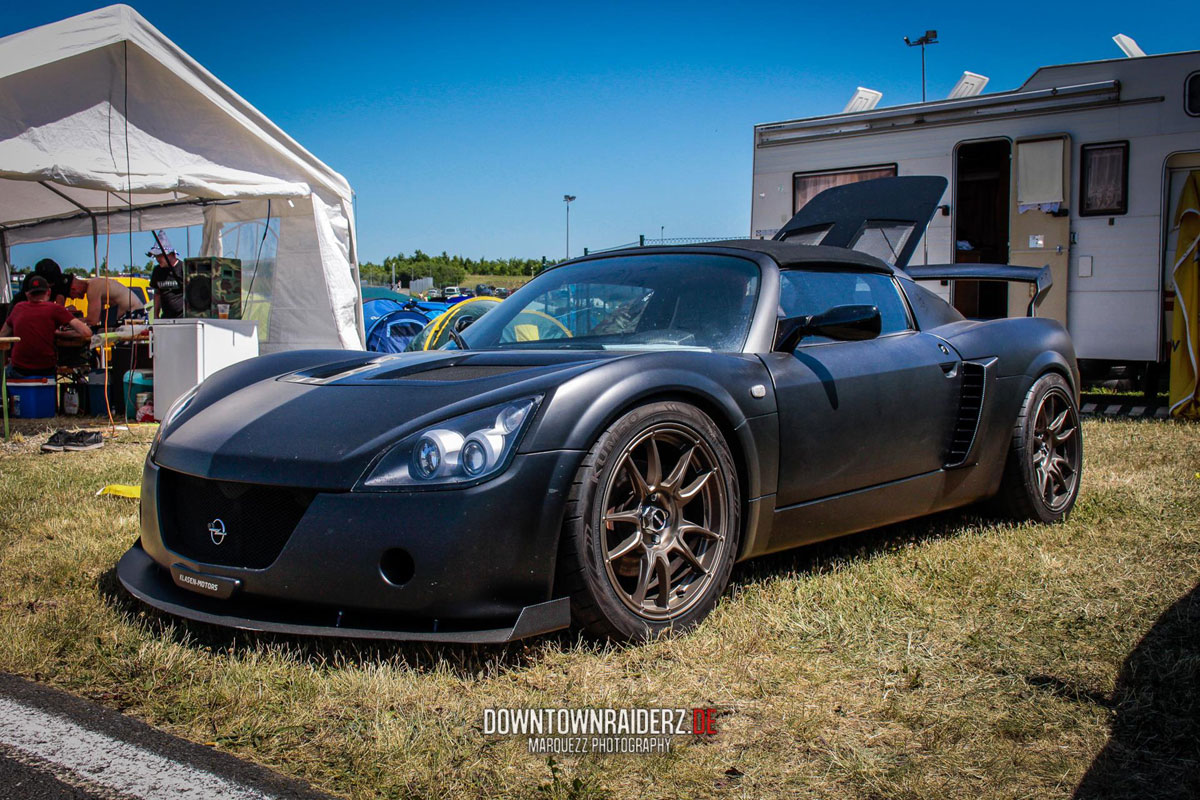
x=109 y=762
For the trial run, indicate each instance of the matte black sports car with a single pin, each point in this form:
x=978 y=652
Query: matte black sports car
x=605 y=444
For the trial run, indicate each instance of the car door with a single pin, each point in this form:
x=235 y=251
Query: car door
x=855 y=414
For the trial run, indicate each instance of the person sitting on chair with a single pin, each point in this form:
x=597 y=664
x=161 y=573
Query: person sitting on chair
x=35 y=320
x=108 y=300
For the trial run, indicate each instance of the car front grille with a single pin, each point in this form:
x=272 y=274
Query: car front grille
x=257 y=520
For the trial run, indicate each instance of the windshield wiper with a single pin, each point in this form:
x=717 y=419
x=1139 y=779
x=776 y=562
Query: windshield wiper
x=457 y=338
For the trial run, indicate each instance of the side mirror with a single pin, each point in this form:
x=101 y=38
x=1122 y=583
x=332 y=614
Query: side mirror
x=845 y=323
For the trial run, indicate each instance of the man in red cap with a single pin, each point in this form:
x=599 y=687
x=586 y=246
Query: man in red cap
x=35 y=320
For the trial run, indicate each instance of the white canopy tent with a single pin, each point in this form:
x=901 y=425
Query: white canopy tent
x=106 y=126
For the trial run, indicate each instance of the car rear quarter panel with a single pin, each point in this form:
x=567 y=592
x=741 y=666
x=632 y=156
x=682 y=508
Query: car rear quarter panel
x=1023 y=346
x=1024 y=349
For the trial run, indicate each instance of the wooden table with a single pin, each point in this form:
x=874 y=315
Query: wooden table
x=6 y=343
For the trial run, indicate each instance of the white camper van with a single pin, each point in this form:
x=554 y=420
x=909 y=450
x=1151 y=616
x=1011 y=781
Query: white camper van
x=1080 y=168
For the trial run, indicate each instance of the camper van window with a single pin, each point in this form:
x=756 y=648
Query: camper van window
x=807 y=185
x=1104 y=180
x=1191 y=94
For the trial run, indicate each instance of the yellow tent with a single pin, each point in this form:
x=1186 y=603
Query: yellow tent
x=1185 y=327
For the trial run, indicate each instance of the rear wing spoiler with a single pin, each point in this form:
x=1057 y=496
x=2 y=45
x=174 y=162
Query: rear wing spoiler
x=1039 y=276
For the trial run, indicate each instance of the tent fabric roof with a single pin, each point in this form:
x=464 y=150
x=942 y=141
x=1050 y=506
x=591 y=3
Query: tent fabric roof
x=171 y=131
x=106 y=126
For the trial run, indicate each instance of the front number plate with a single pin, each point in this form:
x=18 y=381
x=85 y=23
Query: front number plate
x=211 y=585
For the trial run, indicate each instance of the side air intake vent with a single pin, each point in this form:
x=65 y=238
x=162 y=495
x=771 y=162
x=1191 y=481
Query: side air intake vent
x=970 y=406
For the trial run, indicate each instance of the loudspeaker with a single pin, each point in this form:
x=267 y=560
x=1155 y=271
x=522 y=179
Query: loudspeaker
x=212 y=288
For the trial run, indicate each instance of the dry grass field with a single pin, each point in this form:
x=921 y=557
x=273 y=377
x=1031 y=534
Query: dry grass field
x=950 y=657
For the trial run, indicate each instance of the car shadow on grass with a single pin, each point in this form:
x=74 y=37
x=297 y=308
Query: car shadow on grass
x=1153 y=750
x=821 y=557
x=461 y=660
x=472 y=660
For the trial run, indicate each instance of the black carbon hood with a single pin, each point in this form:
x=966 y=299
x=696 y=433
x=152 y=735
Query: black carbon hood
x=321 y=427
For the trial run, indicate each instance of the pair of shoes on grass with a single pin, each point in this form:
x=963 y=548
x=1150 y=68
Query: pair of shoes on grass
x=79 y=440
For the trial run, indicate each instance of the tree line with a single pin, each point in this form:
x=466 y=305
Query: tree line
x=445 y=269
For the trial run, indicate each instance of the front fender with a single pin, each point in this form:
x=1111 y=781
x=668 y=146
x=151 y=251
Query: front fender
x=581 y=409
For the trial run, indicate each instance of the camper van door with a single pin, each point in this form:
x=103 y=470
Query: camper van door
x=1039 y=220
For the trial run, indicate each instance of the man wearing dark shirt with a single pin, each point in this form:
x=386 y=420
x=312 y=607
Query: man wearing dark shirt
x=35 y=320
x=166 y=279
x=59 y=284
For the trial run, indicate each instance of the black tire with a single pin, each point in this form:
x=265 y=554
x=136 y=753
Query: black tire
x=611 y=511
x=1045 y=458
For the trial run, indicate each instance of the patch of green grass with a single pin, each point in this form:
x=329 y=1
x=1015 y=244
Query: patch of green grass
x=511 y=281
x=946 y=657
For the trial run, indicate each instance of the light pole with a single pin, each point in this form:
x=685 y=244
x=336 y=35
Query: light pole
x=567 y=198
x=661 y=235
x=930 y=37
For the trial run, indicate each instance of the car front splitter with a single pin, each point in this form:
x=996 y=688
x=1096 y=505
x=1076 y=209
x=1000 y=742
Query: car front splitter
x=153 y=585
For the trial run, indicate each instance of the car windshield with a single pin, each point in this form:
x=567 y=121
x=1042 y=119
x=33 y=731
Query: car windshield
x=637 y=302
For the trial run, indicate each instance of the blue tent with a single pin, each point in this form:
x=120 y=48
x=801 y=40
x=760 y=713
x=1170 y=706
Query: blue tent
x=390 y=325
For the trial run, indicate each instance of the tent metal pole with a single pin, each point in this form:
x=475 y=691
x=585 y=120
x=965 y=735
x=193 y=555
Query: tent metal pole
x=149 y=207
x=95 y=227
x=5 y=270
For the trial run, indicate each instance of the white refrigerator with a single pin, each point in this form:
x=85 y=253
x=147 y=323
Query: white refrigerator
x=186 y=351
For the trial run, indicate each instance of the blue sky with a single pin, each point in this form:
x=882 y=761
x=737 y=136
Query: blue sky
x=461 y=125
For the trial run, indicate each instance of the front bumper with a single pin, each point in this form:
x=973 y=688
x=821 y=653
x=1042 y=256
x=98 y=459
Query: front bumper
x=482 y=563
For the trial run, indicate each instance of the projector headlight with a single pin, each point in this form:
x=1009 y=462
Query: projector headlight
x=466 y=449
x=174 y=411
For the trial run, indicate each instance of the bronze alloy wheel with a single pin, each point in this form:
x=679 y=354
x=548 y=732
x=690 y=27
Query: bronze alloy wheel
x=1044 y=467
x=1055 y=454
x=664 y=522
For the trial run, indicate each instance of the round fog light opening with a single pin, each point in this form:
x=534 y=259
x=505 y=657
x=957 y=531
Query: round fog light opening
x=474 y=457
x=396 y=566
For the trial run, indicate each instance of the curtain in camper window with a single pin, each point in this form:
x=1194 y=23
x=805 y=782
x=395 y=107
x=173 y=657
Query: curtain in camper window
x=1039 y=173
x=810 y=184
x=1104 y=178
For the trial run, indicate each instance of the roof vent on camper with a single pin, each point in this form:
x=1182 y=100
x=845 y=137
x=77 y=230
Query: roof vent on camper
x=1128 y=46
x=969 y=85
x=863 y=100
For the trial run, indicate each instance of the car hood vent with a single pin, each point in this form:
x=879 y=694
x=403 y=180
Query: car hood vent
x=456 y=372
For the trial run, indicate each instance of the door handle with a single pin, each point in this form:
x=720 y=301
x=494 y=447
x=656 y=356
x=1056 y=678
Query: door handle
x=950 y=368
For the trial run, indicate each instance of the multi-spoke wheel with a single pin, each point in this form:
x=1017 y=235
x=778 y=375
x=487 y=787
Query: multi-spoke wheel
x=1045 y=460
x=653 y=527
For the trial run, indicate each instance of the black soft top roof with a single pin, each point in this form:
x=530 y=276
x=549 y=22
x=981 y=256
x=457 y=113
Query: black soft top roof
x=786 y=255
x=807 y=255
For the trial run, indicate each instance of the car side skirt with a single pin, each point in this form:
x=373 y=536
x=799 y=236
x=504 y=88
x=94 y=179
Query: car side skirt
x=875 y=506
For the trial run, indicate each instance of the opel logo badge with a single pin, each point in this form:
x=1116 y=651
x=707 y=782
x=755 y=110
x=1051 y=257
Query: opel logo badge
x=216 y=531
x=655 y=519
